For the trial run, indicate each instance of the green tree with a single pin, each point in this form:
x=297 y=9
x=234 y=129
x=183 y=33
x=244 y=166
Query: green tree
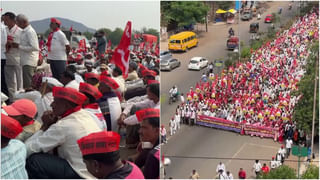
x=225 y=5
x=303 y=110
x=183 y=12
x=115 y=36
x=88 y=35
x=282 y=172
x=311 y=173
x=107 y=31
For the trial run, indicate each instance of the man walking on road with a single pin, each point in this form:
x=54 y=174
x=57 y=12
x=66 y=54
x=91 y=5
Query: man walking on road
x=172 y=126
x=29 y=49
x=257 y=167
x=273 y=163
x=282 y=151
x=288 y=146
x=242 y=174
x=220 y=166
x=194 y=175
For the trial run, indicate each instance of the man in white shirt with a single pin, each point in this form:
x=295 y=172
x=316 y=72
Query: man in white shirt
x=288 y=146
x=172 y=126
x=29 y=49
x=58 y=48
x=13 y=71
x=60 y=130
x=220 y=166
x=273 y=163
x=4 y=88
x=257 y=167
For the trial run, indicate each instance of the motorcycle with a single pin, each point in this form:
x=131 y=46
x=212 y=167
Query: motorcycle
x=280 y=10
x=231 y=33
x=173 y=99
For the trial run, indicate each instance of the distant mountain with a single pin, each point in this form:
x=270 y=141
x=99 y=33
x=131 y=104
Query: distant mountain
x=42 y=25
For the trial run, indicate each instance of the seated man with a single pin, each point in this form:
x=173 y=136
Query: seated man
x=149 y=133
x=13 y=152
x=104 y=161
x=24 y=111
x=60 y=131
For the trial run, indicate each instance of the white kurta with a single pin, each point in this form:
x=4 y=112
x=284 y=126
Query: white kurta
x=43 y=104
x=64 y=135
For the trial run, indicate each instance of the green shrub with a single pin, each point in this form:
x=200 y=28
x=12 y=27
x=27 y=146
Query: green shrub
x=282 y=172
x=311 y=173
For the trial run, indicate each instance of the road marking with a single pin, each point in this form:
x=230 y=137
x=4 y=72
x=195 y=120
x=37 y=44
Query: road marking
x=239 y=150
x=272 y=147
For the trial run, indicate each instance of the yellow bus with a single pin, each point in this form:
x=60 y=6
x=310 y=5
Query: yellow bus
x=182 y=41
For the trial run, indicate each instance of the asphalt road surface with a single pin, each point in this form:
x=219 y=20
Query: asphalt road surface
x=203 y=142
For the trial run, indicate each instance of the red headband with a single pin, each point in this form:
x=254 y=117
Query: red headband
x=10 y=127
x=147 y=113
x=100 y=142
x=69 y=94
x=109 y=81
x=91 y=75
x=90 y=89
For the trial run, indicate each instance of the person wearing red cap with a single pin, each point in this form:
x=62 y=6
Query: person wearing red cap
x=149 y=133
x=101 y=155
x=148 y=75
x=92 y=78
x=91 y=105
x=58 y=48
x=283 y=152
x=60 y=130
x=109 y=102
x=273 y=163
x=13 y=152
x=163 y=133
x=24 y=111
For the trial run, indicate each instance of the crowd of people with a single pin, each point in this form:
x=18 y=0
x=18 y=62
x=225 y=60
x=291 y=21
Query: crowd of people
x=259 y=91
x=67 y=121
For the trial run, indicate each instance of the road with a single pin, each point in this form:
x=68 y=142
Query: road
x=202 y=141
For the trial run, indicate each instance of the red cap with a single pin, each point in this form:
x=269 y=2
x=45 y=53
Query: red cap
x=69 y=94
x=100 y=142
x=92 y=90
x=153 y=82
x=79 y=57
x=10 y=127
x=148 y=73
x=282 y=146
x=91 y=75
x=109 y=81
x=147 y=113
x=54 y=20
x=272 y=157
x=21 y=107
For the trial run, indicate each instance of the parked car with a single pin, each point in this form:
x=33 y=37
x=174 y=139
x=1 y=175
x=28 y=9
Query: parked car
x=246 y=15
x=268 y=19
x=165 y=55
x=169 y=64
x=197 y=63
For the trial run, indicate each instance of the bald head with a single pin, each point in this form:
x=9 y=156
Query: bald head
x=22 y=21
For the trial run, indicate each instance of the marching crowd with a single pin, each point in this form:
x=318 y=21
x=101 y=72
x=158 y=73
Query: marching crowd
x=65 y=121
x=259 y=91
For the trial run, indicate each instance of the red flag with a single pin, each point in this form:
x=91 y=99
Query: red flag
x=141 y=46
x=157 y=50
x=109 y=44
x=70 y=29
x=82 y=44
x=120 y=56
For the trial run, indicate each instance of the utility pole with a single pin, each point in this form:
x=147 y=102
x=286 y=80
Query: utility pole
x=206 y=23
x=314 y=104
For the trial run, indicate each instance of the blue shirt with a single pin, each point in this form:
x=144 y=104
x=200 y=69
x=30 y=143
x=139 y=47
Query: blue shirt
x=13 y=160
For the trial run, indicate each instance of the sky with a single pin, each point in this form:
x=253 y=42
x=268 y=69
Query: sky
x=94 y=14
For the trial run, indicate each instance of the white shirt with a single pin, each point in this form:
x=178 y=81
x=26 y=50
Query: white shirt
x=121 y=83
x=29 y=47
x=58 y=46
x=43 y=104
x=288 y=143
x=221 y=166
x=257 y=167
x=73 y=84
x=3 y=41
x=13 y=55
x=64 y=135
x=97 y=115
x=273 y=164
x=132 y=120
x=229 y=177
x=163 y=131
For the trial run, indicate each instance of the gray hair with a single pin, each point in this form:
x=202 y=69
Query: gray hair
x=22 y=17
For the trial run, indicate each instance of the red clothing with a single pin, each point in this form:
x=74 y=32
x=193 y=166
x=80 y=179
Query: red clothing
x=242 y=174
x=265 y=169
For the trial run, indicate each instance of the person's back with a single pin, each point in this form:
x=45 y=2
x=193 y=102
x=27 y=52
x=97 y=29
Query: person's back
x=13 y=160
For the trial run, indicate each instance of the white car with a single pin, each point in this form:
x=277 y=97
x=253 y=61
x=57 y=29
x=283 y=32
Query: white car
x=197 y=63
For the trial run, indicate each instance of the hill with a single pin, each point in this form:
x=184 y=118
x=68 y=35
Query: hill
x=42 y=25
